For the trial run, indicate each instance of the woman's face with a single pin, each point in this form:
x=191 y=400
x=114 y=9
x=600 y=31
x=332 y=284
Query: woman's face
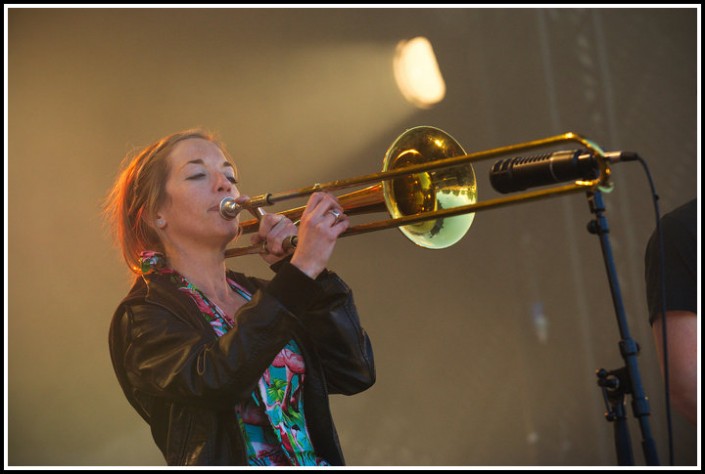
x=199 y=178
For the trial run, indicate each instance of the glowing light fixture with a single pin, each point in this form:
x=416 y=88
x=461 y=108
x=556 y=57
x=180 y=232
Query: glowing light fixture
x=417 y=73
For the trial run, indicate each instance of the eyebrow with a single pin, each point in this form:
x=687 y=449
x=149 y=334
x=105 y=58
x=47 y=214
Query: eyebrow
x=199 y=161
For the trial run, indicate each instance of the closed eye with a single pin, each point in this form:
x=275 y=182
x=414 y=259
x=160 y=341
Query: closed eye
x=232 y=179
x=196 y=176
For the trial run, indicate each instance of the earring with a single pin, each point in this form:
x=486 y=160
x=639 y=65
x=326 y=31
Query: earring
x=160 y=222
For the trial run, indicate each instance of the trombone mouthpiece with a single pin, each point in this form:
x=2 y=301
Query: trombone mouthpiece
x=229 y=209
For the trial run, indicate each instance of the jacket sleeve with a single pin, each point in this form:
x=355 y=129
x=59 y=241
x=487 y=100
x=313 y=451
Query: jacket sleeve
x=162 y=353
x=332 y=324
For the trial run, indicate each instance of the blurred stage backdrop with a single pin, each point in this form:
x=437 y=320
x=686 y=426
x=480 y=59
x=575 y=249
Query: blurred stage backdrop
x=486 y=351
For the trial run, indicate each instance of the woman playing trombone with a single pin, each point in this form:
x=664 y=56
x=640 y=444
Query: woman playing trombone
x=225 y=368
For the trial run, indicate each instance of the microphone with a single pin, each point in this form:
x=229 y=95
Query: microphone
x=521 y=173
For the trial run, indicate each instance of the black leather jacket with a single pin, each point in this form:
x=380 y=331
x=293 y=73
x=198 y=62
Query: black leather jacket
x=185 y=381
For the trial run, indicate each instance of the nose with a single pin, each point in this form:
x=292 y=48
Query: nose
x=223 y=184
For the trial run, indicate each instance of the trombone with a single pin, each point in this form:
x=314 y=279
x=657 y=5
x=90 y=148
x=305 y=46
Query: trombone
x=428 y=187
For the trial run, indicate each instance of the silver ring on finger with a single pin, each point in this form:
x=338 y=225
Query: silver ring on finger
x=336 y=214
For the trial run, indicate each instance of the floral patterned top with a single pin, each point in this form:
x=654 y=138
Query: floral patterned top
x=272 y=420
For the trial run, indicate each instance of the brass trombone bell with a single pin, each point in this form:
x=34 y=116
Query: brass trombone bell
x=427 y=185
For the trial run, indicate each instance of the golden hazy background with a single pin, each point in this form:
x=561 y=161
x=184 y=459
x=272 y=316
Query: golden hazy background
x=486 y=351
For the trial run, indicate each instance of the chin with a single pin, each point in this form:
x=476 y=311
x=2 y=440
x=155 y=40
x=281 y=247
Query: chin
x=232 y=234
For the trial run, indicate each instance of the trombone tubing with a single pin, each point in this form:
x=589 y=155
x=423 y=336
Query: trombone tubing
x=469 y=208
x=269 y=199
x=455 y=211
x=441 y=213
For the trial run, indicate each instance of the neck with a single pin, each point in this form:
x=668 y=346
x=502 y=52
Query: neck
x=204 y=269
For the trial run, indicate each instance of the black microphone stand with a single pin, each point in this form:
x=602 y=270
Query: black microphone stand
x=626 y=380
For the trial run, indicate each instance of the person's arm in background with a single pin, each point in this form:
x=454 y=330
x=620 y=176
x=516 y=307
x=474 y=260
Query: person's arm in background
x=682 y=330
x=678 y=300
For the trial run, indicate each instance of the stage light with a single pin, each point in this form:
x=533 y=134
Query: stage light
x=417 y=73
